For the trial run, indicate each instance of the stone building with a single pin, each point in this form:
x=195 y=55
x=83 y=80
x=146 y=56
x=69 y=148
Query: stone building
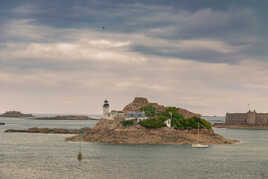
x=249 y=118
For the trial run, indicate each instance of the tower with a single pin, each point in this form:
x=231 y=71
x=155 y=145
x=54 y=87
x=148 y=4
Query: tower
x=251 y=120
x=106 y=109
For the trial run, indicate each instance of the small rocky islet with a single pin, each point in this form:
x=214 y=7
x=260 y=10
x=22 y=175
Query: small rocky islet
x=48 y=130
x=153 y=131
x=15 y=114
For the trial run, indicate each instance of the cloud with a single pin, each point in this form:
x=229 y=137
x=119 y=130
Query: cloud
x=200 y=58
x=213 y=45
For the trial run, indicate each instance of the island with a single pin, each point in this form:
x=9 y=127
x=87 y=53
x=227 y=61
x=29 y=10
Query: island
x=249 y=120
x=15 y=114
x=66 y=117
x=48 y=130
x=142 y=122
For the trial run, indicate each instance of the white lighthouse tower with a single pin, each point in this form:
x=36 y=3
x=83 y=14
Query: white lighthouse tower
x=106 y=110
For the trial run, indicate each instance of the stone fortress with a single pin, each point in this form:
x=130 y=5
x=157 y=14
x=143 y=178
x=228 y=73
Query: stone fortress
x=251 y=118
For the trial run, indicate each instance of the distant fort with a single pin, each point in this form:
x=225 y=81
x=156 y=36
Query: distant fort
x=250 y=118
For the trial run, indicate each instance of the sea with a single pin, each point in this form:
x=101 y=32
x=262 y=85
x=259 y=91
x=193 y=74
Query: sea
x=49 y=156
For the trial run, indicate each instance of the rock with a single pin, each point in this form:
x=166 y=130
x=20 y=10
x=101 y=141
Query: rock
x=2 y=123
x=140 y=100
x=111 y=131
x=67 y=117
x=16 y=114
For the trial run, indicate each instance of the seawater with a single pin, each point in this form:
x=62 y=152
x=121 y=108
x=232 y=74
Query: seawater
x=30 y=156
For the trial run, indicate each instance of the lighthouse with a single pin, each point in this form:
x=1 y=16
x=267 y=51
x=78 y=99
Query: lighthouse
x=106 y=110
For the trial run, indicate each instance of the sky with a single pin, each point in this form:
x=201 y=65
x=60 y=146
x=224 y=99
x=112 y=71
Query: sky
x=66 y=56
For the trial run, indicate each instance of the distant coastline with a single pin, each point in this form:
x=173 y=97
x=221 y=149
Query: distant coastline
x=18 y=114
x=65 y=117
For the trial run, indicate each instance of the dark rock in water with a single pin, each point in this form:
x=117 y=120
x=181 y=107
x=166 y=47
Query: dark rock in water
x=2 y=123
x=67 y=117
x=15 y=114
x=49 y=131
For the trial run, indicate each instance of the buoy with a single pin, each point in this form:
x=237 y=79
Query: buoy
x=79 y=156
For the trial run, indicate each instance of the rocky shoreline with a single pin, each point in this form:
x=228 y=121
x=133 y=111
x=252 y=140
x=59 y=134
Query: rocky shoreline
x=48 y=131
x=112 y=132
x=107 y=131
x=223 y=125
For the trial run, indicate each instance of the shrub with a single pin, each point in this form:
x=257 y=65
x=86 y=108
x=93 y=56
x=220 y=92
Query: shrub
x=205 y=123
x=191 y=123
x=173 y=111
x=152 y=123
x=149 y=110
x=163 y=118
x=127 y=123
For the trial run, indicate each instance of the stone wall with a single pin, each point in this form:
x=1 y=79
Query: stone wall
x=250 y=118
x=236 y=118
x=262 y=119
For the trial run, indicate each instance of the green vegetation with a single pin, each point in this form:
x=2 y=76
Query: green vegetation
x=157 y=119
x=152 y=123
x=150 y=111
x=127 y=123
x=191 y=123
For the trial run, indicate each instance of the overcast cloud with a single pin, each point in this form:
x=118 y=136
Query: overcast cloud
x=209 y=57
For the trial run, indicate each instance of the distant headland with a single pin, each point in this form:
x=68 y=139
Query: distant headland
x=15 y=114
x=142 y=122
x=251 y=120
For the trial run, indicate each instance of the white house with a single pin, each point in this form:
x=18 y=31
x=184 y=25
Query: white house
x=168 y=123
